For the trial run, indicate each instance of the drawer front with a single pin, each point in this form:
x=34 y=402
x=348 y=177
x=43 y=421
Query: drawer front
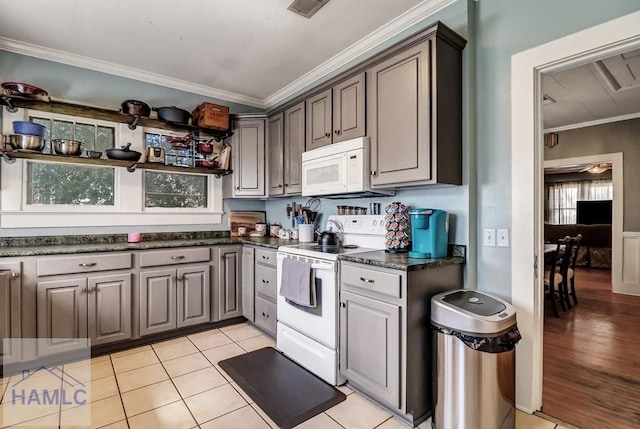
x=266 y=257
x=266 y=315
x=174 y=256
x=266 y=281
x=84 y=264
x=365 y=278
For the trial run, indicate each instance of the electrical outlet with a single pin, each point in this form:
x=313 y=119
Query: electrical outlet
x=502 y=237
x=489 y=239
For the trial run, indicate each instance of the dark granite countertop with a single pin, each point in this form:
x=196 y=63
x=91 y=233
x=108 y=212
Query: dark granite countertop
x=398 y=261
x=65 y=249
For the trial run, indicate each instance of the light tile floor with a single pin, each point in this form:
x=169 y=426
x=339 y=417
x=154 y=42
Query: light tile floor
x=178 y=384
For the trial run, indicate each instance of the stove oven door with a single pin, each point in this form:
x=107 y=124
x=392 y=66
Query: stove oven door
x=318 y=323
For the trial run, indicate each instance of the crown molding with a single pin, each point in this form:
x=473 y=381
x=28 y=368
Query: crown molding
x=392 y=28
x=364 y=45
x=55 y=55
x=592 y=123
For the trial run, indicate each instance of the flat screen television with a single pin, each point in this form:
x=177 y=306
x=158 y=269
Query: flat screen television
x=593 y=212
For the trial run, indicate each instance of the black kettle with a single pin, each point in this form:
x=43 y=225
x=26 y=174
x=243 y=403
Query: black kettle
x=328 y=238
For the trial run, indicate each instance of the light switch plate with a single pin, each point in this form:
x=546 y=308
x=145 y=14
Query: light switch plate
x=489 y=237
x=502 y=237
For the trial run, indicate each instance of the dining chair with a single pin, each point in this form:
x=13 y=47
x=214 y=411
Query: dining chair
x=553 y=278
x=571 y=271
x=563 y=264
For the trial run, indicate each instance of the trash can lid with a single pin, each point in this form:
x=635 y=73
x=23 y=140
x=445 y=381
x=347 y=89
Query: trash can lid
x=472 y=312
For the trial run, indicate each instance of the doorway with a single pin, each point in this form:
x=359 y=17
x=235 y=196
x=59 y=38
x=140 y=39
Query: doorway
x=615 y=36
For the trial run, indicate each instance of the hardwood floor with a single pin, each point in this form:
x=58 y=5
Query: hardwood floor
x=592 y=357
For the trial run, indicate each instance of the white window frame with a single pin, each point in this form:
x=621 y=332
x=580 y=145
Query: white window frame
x=128 y=209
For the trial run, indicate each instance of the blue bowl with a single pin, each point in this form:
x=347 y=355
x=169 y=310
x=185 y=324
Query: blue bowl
x=30 y=128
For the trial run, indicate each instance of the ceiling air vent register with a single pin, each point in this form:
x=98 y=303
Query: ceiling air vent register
x=306 y=8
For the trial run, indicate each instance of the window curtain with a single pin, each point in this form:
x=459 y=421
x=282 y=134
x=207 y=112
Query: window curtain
x=562 y=197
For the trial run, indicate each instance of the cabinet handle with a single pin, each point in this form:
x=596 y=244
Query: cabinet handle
x=88 y=264
x=286 y=184
x=280 y=186
x=337 y=132
x=177 y=257
x=343 y=304
x=327 y=135
x=367 y=280
x=15 y=274
x=265 y=257
x=265 y=281
x=92 y=289
x=83 y=289
x=180 y=278
x=373 y=172
x=265 y=315
x=237 y=188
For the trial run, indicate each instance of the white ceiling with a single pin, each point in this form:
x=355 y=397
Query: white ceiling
x=254 y=52
x=599 y=91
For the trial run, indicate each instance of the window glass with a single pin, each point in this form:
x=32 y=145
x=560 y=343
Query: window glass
x=60 y=184
x=178 y=154
x=175 y=190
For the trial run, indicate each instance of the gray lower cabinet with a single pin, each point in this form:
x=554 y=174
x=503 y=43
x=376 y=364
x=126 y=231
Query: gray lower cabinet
x=69 y=310
x=174 y=298
x=10 y=314
x=336 y=114
x=248 y=160
x=228 y=299
x=385 y=334
x=414 y=114
x=262 y=287
x=248 y=304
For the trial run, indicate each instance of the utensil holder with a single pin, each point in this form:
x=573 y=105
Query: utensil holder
x=305 y=233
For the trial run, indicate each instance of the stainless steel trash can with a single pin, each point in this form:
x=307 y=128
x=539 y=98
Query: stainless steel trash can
x=474 y=364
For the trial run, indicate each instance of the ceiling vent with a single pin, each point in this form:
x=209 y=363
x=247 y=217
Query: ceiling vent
x=306 y=8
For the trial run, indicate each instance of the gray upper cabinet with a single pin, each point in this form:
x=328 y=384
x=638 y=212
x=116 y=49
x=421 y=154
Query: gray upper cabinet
x=275 y=151
x=248 y=157
x=337 y=113
x=10 y=303
x=228 y=300
x=414 y=115
x=285 y=142
x=319 y=123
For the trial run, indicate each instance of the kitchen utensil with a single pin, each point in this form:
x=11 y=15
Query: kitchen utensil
x=328 y=238
x=206 y=163
x=25 y=142
x=136 y=108
x=205 y=147
x=25 y=89
x=124 y=154
x=67 y=147
x=173 y=114
x=94 y=154
x=374 y=208
x=154 y=154
x=30 y=128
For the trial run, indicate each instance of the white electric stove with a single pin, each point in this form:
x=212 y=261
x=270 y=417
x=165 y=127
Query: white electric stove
x=309 y=335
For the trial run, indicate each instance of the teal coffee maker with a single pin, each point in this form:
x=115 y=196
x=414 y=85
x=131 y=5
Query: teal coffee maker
x=429 y=233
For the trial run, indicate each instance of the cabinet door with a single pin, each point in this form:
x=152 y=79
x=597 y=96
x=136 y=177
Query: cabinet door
x=248 y=275
x=194 y=295
x=61 y=315
x=319 y=120
x=349 y=109
x=157 y=301
x=248 y=158
x=10 y=303
x=228 y=285
x=294 y=132
x=370 y=346
x=275 y=150
x=398 y=118
x=109 y=313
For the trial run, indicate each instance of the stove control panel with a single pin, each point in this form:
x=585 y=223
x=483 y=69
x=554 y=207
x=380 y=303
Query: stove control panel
x=359 y=224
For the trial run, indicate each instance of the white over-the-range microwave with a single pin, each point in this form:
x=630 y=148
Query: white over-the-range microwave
x=338 y=170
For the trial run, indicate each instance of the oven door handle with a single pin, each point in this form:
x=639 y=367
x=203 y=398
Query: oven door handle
x=321 y=267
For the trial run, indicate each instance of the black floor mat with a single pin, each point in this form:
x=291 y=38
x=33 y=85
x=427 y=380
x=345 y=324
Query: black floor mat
x=288 y=393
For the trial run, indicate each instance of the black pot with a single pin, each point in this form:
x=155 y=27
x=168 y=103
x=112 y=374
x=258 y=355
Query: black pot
x=328 y=238
x=136 y=108
x=173 y=114
x=123 y=154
